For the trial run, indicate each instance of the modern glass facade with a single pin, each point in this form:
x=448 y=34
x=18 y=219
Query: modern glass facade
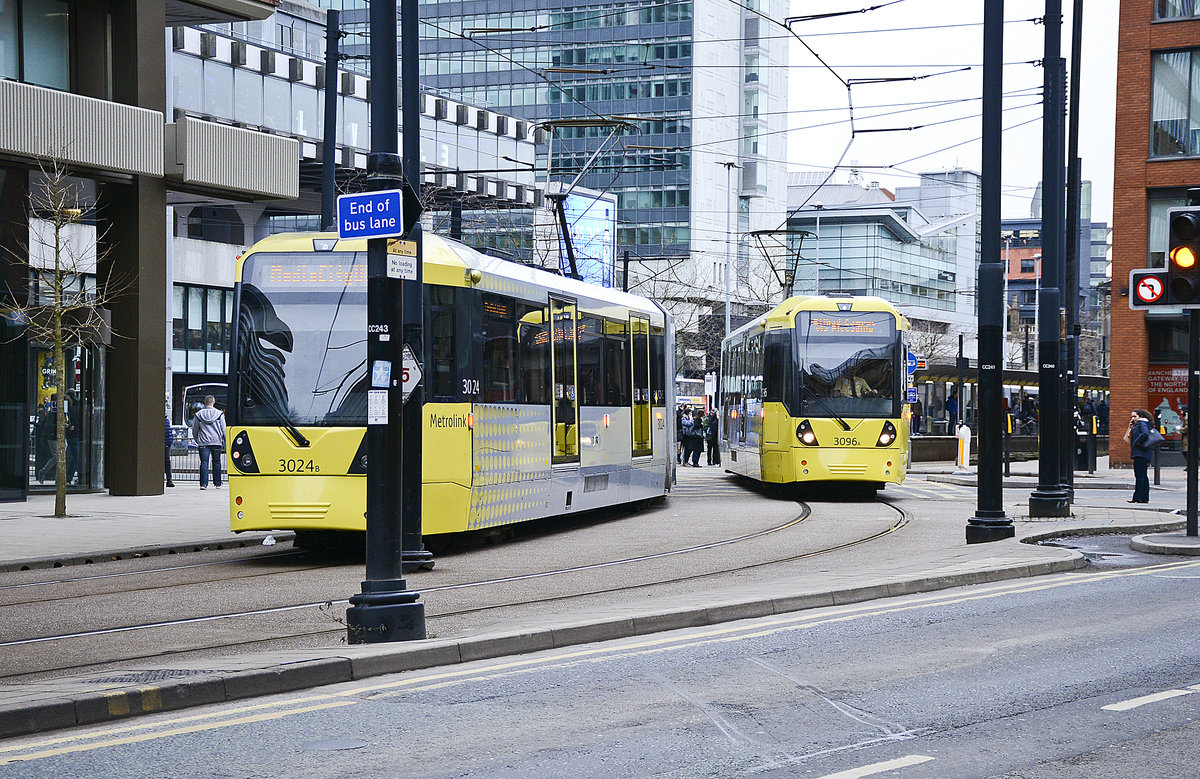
x=545 y=61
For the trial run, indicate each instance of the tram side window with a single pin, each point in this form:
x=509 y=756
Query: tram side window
x=533 y=354
x=441 y=339
x=589 y=354
x=616 y=364
x=500 y=380
x=658 y=376
x=754 y=367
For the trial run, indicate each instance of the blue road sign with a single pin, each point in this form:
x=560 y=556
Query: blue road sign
x=370 y=214
x=911 y=395
x=912 y=364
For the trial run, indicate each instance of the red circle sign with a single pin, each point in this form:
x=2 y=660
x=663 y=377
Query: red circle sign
x=1149 y=289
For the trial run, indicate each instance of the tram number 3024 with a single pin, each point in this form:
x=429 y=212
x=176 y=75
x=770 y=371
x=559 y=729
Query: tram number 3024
x=846 y=441
x=298 y=466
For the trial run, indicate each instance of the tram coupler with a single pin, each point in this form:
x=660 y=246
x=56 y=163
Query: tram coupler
x=386 y=610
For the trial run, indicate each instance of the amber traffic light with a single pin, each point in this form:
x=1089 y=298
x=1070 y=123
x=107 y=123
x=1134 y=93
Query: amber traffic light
x=1183 y=270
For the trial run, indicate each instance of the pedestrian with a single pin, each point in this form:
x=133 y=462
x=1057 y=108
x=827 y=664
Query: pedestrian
x=208 y=428
x=1183 y=432
x=1102 y=413
x=48 y=438
x=697 y=437
x=681 y=414
x=167 y=441
x=917 y=411
x=686 y=427
x=711 y=429
x=74 y=428
x=952 y=409
x=1137 y=436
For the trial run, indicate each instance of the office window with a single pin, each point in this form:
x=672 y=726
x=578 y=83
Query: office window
x=1028 y=265
x=1174 y=9
x=43 y=54
x=1175 y=104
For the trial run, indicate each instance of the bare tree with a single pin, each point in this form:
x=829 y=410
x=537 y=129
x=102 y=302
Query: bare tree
x=67 y=303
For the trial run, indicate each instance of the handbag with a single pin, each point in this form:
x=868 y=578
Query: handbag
x=1154 y=439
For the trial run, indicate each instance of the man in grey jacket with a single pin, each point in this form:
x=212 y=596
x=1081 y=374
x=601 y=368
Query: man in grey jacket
x=208 y=428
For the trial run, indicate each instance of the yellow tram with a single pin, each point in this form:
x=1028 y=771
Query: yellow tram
x=543 y=395
x=814 y=391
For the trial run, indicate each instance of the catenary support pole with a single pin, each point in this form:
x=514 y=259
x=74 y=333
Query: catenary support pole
x=385 y=610
x=1193 y=424
x=990 y=522
x=415 y=555
x=333 y=35
x=1050 y=499
x=1071 y=267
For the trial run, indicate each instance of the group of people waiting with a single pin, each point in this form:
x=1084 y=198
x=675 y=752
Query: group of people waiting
x=694 y=429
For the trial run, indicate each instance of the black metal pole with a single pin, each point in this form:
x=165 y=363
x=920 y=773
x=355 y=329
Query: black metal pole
x=625 y=272
x=1193 y=424
x=415 y=555
x=333 y=34
x=989 y=522
x=1074 y=218
x=1050 y=499
x=385 y=610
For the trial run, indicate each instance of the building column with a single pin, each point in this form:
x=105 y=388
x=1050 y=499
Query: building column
x=136 y=244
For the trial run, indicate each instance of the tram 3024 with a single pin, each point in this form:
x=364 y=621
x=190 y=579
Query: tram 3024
x=543 y=395
x=814 y=391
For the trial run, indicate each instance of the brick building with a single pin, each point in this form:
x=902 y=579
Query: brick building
x=1157 y=158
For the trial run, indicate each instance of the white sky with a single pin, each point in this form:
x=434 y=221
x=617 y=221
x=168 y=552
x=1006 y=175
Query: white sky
x=856 y=52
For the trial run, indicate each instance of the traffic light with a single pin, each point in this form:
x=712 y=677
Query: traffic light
x=1183 y=256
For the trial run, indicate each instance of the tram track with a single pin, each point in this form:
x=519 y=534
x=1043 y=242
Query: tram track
x=109 y=632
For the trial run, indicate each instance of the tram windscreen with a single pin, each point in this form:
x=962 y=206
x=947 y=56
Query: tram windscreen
x=847 y=363
x=301 y=339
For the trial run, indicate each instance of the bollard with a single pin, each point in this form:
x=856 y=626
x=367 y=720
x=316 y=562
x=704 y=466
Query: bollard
x=963 y=465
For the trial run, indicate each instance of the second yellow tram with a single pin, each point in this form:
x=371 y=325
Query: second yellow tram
x=814 y=391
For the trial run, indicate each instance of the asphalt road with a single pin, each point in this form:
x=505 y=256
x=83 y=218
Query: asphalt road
x=1088 y=674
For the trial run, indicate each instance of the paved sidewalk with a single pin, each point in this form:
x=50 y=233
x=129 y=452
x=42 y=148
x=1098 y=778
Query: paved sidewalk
x=929 y=554
x=99 y=526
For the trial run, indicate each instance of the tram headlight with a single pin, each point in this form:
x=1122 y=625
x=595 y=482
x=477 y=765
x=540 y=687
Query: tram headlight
x=806 y=435
x=887 y=436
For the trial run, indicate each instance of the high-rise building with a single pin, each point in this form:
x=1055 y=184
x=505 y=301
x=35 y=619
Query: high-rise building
x=675 y=108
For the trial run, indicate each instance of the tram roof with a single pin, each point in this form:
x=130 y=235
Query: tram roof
x=446 y=261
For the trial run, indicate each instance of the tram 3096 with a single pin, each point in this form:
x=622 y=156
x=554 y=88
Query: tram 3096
x=814 y=391
x=543 y=395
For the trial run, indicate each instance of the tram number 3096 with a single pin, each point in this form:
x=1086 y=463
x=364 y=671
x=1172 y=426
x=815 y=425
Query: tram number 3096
x=845 y=441
x=298 y=466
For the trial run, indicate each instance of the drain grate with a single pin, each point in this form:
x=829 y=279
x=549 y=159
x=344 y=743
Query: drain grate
x=154 y=675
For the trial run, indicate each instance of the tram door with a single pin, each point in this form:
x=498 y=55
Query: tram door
x=564 y=406
x=639 y=334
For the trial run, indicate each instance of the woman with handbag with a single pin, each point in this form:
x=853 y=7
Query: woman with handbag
x=1141 y=448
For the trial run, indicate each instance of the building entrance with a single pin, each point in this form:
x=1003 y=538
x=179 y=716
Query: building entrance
x=80 y=396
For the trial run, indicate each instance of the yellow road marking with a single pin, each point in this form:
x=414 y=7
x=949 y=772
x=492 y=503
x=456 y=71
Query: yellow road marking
x=175 y=732
x=162 y=723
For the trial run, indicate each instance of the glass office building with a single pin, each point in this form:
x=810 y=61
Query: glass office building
x=670 y=107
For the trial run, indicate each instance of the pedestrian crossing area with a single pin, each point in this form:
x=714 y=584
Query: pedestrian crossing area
x=919 y=489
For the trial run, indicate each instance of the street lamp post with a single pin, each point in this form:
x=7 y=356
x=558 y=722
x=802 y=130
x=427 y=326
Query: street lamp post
x=729 y=166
